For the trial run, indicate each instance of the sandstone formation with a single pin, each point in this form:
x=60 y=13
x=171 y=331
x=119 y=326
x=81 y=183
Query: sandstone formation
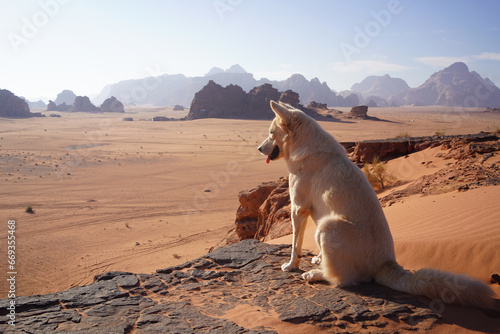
x=198 y=297
x=264 y=212
x=215 y=101
x=66 y=96
x=359 y=112
x=82 y=103
x=14 y=106
x=316 y=105
x=292 y=98
x=51 y=106
x=112 y=105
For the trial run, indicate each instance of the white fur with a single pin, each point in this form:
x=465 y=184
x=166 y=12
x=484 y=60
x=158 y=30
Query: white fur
x=352 y=233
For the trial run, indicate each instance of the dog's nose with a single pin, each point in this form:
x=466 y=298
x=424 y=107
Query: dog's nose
x=260 y=149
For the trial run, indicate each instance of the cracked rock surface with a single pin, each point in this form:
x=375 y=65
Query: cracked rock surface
x=209 y=294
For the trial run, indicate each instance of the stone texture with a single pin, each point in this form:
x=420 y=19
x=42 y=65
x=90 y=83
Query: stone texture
x=202 y=291
x=264 y=212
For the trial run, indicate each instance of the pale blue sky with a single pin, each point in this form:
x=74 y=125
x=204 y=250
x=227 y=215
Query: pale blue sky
x=50 y=45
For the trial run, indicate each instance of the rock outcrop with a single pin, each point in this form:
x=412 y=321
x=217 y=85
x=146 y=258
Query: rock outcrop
x=13 y=106
x=82 y=103
x=112 y=105
x=66 y=96
x=358 y=112
x=51 y=106
x=316 y=105
x=386 y=149
x=215 y=101
x=199 y=295
x=264 y=212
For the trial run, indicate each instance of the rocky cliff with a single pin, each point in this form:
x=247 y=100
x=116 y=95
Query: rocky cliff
x=215 y=101
x=14 y=106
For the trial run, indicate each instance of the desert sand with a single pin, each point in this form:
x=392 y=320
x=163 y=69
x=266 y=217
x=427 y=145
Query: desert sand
x=137 y=196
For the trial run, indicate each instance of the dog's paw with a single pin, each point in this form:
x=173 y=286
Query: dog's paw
x=316 y=260
x=288 y=266
x=313 y=275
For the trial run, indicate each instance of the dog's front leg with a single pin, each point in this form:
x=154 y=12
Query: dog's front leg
x=299 y=220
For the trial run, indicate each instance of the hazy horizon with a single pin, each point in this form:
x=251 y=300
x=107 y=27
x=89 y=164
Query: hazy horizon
x=51 y=45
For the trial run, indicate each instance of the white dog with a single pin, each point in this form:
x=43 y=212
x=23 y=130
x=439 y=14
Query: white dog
x=352 y=233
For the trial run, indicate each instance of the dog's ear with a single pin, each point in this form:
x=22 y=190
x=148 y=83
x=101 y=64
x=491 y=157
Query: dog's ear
x=286 y=105
x=283 y=114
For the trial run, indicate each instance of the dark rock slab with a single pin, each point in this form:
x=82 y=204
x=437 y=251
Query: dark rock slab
x=197 y=297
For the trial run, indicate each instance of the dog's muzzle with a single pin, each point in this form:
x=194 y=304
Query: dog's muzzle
x=274 y=154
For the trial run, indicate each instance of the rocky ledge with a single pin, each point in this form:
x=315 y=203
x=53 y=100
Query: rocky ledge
x=203 y=296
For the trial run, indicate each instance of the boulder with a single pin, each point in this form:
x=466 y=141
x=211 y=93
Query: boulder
x=112 y=105
x=359 y=112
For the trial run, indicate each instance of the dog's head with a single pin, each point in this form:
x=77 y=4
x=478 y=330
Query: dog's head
x=275 y=144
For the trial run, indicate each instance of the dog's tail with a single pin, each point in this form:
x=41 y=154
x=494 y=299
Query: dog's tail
x=434 y=284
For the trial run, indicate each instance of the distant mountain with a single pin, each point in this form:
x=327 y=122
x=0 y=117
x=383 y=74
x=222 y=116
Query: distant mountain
x=316 y=91
x=455 y=86
x=169 y=90
x=36 y=105
x=382 y=86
